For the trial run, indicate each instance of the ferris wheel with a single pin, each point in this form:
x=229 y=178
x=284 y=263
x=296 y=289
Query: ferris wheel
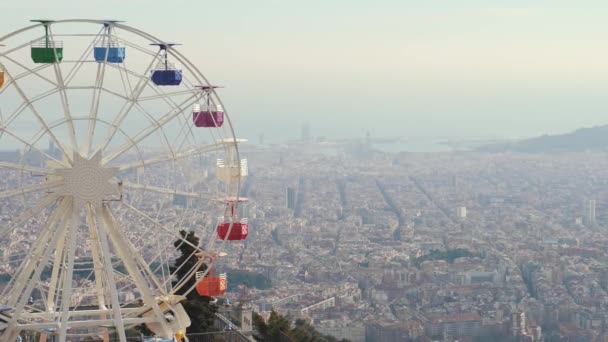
x=111 y=144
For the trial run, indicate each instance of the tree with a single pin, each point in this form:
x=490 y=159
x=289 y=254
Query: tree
x=279 y=329
x=277 y=325
x=260 y=327
x=200 y=310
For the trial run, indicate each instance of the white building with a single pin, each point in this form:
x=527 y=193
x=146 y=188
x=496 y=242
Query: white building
x=590 y=212
x=461 y=212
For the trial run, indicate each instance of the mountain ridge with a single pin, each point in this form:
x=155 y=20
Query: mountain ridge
x=583 y=139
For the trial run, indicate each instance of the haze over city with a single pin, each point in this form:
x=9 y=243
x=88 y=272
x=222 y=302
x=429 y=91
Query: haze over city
x=395 y=68
x=331 y=171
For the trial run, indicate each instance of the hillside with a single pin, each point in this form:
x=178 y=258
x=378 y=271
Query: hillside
x=584 y=139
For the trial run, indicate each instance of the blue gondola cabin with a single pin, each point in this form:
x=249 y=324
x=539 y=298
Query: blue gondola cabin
x=166 y=74
x=115 y=54
x=167 y=77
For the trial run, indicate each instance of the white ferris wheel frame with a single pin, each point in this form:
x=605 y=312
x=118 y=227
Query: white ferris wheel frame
x=101 y=221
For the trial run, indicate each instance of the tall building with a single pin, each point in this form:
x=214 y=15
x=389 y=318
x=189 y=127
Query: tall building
x=291 y=198
x=590 y=212
x=518 y=323
x=305 y=132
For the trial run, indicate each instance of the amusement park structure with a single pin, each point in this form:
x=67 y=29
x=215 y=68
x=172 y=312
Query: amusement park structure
x=111 y=125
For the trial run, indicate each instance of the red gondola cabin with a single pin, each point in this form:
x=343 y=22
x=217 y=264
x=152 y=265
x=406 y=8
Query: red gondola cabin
x=211 y=286
x=239 y=231
x=208 y=115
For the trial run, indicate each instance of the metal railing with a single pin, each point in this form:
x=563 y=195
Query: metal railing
x=47 y=44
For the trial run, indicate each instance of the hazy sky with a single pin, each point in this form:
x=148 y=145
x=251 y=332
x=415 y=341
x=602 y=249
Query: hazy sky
x=411 y=68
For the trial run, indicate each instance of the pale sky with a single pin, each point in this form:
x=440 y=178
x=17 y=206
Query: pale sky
x=396 y=68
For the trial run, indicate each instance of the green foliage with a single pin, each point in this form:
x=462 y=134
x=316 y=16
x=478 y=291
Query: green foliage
x=278 y=329
x=199 y=309
x=251 y=279
x=450 y=255
x=5 y=278
x=277 y=325
x=260 y=327
x=306 y=332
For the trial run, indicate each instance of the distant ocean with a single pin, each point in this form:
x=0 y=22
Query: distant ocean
x=414 y=146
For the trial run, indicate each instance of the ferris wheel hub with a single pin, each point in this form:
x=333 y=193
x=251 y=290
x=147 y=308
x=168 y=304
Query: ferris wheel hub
x=87 y=181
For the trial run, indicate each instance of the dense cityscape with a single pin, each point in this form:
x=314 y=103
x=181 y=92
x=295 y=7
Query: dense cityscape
x=382 y=247
x=372 y=246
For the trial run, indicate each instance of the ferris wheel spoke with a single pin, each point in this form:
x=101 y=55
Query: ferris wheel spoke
x=115 y=94
x=158 y=224
x=64 y=101
x=95 y=102
x=160 y=95
x=127 y=85
x=155 y=122
x=128 y=105
x=23 y=106
x=29 y=213
x=126 y=253
x=31 y=71
x=102 y=222
x=185 y=125
x=39 y=257
x=82 y=60
x=164 y=191
x=173 y=157
x=136 y=47
x=43 y=95
x=23 y=167
x=97 y=255
x=13 y=116
x=31 y=188
x=22 y=75
x=30 y=146
x=126 y=71
x=38 y=116
x=66 y=293
x=19 y=47
x=146 y=132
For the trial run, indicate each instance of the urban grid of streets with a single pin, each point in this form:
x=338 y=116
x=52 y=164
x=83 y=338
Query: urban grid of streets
x=345 y=254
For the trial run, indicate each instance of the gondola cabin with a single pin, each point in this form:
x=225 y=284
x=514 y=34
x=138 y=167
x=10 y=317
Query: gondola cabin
x=239 y=231
x=211 y=286
x=46 y=50
x=115 y=54
x=208 y=115
x=107 y=49
x=165 y=73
